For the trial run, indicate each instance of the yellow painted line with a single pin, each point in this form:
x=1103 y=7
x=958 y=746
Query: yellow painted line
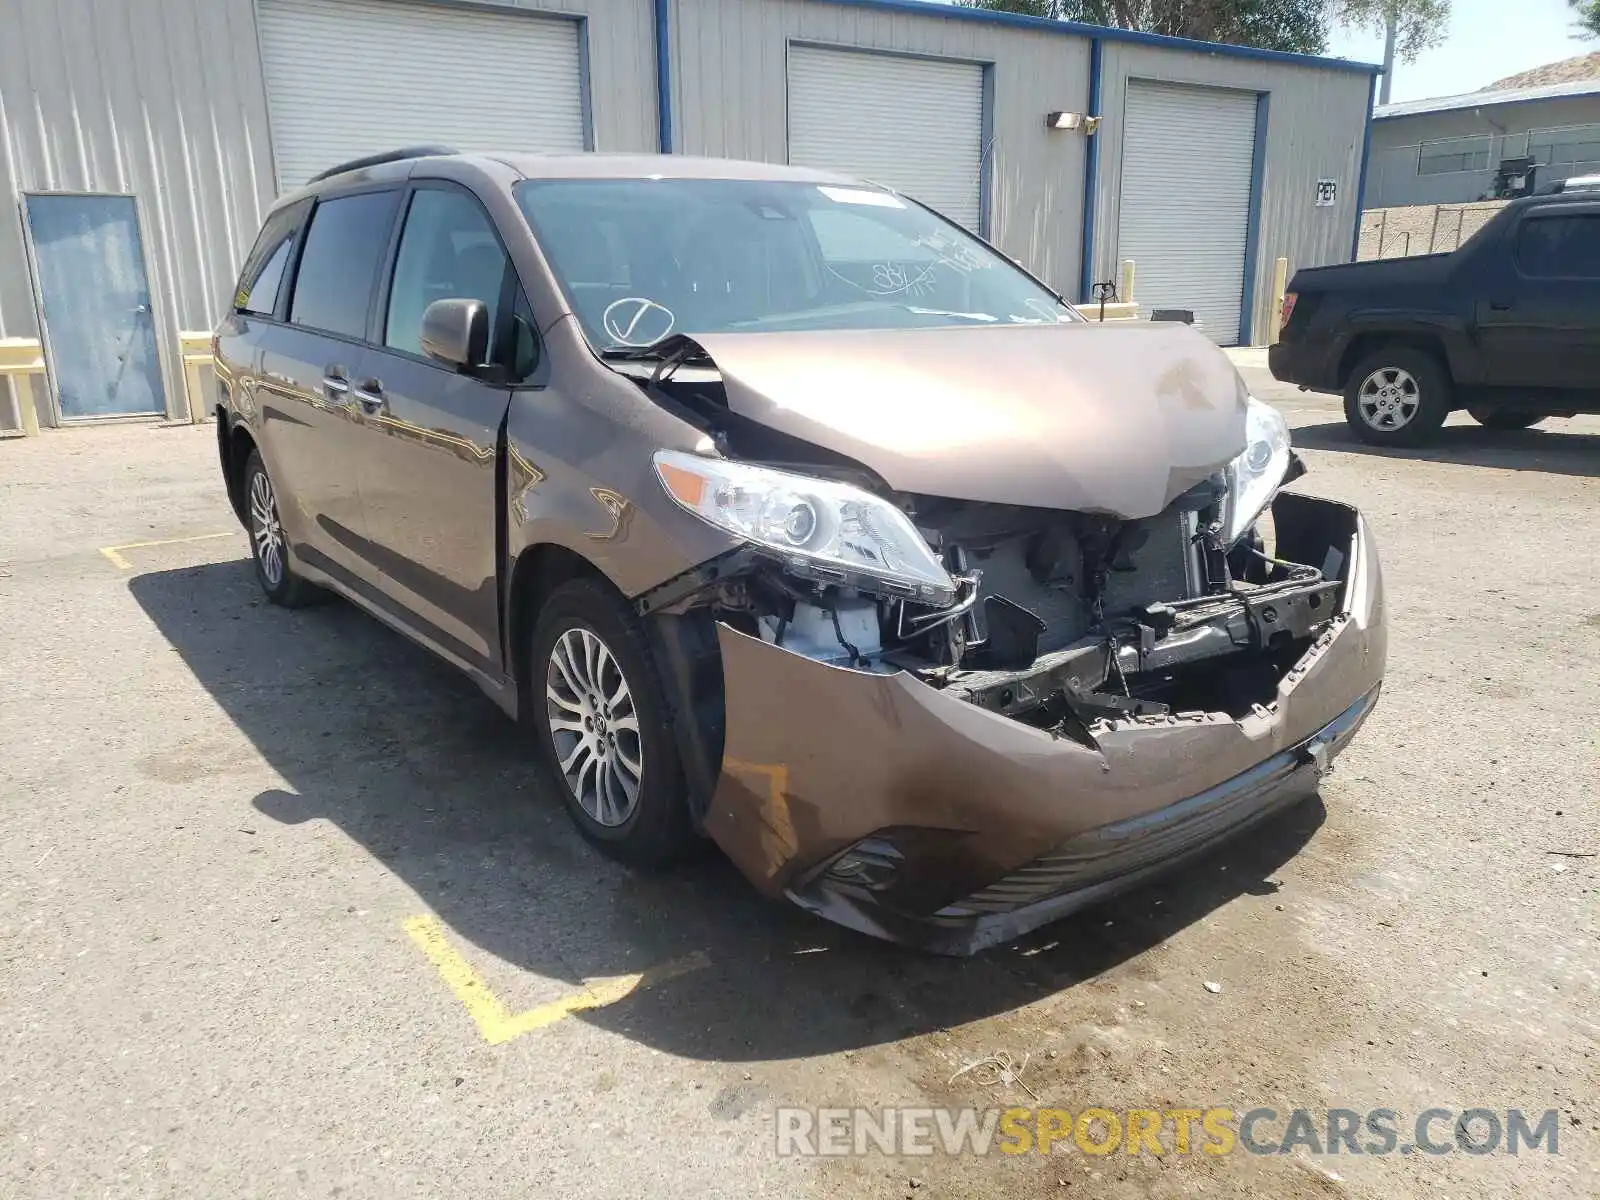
x=118 y=560
x=494 y=1021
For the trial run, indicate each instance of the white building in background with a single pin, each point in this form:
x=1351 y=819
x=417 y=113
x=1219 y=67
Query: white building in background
x=1448 y=150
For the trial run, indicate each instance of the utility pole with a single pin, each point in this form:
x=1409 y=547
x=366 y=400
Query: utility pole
x=1388 y=59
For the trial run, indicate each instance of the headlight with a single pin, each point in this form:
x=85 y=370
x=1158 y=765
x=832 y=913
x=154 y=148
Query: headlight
x=823 y=530
x=1256 y=474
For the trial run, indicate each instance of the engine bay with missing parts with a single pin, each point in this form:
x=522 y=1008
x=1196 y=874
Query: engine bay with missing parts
x=1058 y=619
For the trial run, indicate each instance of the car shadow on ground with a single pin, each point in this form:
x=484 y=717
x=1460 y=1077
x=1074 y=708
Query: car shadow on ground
x=410 y=760
x=1555 y=451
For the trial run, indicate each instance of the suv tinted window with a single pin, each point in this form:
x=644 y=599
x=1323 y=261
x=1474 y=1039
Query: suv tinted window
x=262 y=276
x=1564 y=247
x=448 y=250
x=346 y=241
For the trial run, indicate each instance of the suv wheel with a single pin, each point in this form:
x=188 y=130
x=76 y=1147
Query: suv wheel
x=1397 y=396
x=600 y=720
x=268 y=545
x=1505 y=418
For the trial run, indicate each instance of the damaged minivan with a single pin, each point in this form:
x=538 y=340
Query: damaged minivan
x=783 y=511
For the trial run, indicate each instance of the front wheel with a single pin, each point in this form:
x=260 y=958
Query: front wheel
x=268 y=545
x=1505 y=418
x=599 y=715
x=1397 y=396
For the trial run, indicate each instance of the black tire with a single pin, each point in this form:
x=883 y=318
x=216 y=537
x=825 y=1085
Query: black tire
x=1505 y=418
x=656 y=829
x=274 y=572
x=1402 y=384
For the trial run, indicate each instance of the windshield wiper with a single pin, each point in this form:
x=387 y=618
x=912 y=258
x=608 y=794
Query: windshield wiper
x=670 y=353
x=676 y=348
x=633 y=353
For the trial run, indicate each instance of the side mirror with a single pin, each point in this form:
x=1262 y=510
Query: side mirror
x=456 y=332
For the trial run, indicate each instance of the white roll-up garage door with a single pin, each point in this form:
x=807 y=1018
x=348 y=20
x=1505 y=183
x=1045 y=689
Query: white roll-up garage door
x=352 y=77
x=1185 y=203
x=912 y=124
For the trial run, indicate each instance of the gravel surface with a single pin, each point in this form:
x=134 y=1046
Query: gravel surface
x=219 y=816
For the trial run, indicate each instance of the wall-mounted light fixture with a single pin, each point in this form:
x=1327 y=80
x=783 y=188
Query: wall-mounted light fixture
x=1071 y=120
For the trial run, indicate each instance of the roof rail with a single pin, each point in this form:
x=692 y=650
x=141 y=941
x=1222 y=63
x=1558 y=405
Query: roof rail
x=388 y=156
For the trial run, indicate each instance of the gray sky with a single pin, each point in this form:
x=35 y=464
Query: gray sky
x=1489 y=39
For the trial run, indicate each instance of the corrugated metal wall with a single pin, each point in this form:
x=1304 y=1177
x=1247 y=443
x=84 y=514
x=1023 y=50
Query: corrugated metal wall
x=164 y=99
x=730 y=99
x=622 y=68
x=1392 y=178
x=161 y=99
x=1316 y=124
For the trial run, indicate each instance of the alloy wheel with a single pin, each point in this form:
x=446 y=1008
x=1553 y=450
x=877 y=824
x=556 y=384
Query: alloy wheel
x=594 y=726
x=1389 y=398
x=266 y=529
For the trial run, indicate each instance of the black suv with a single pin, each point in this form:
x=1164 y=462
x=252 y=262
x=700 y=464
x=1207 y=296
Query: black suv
x=1507 y=326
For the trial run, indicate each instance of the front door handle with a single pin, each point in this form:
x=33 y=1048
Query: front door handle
x=1501 y=306
x=370 y=396
x=334 y=385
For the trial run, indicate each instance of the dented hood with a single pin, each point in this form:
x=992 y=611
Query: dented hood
x=1117 y=419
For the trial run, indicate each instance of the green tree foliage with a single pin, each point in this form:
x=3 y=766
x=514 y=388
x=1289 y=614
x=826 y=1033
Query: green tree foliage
x=1588 y=17
x=1419 y=24
x=1300 y=26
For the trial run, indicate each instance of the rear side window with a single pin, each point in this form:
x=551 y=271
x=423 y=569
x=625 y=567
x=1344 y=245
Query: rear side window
x=262 y=277
x=1564 y=247
x=344 y=246
x=448 y=251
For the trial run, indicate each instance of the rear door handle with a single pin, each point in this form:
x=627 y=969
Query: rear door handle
x=370 y=396
x=1501 y=305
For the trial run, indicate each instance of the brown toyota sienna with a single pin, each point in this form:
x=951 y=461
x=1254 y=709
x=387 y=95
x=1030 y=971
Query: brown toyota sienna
x=781 y=510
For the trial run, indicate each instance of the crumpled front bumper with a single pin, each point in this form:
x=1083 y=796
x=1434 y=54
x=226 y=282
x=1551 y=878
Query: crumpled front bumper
x=884 y=804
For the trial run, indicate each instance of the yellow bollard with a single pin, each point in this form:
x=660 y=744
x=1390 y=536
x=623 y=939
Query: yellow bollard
x=1280 y=285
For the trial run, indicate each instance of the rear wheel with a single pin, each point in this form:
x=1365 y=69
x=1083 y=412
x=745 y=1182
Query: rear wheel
x=268 y=545
x=1397 y=396
x=599 y=716
x=1505 y=418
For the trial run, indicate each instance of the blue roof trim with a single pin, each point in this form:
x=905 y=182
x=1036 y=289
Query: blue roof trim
x=984 y=16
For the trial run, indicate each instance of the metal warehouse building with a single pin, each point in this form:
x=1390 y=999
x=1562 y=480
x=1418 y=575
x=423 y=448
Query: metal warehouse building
x=1449 y=149
x=144 y=140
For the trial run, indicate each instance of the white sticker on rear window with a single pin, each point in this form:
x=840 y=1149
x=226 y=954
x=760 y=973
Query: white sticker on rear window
x=861 y=196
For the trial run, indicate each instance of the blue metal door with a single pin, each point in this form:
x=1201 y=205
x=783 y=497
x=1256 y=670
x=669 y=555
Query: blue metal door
x=94 y=300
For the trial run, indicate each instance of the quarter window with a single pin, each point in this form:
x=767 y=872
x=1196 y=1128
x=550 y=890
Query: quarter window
x=262 y=277
x=263 y=297
x=1565 y=247
x=448 y=251
x=524 y=353
x=344 y=245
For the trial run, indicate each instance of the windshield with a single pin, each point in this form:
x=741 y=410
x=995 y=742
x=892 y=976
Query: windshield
x=640 y=259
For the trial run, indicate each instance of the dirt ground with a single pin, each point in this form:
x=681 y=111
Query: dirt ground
x=251 y=859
